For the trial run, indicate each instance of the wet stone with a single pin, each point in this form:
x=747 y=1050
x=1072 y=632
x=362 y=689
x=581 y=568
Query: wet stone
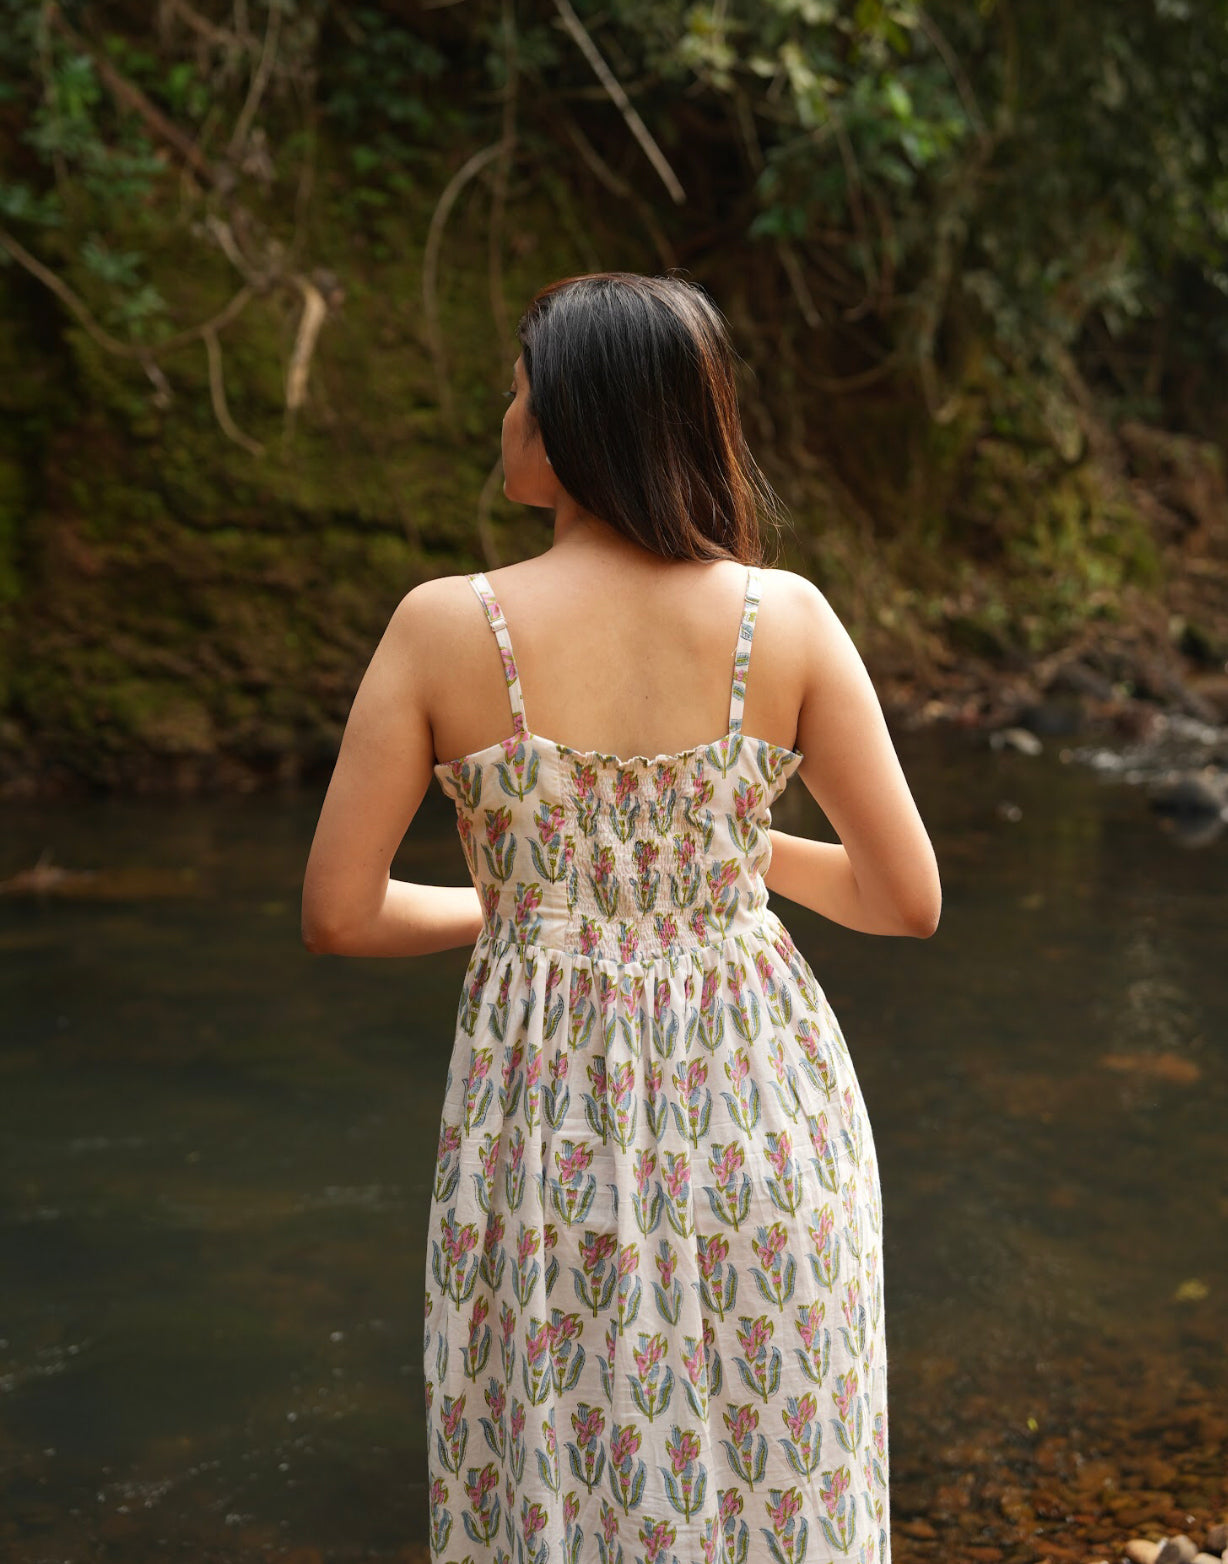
x=951 y=1497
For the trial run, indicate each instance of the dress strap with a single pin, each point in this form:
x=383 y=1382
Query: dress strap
x=498 y=624
x=741 y=660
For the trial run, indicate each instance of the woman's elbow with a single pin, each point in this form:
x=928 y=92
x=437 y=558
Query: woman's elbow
x=922 y=915
x=924 y=922
x=315 y=942
x=322 y=936
x=318 y=939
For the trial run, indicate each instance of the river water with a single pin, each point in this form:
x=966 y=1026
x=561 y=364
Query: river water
x=217 y=1152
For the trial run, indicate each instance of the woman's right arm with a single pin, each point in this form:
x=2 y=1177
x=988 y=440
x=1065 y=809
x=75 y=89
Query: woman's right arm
x=881 y=877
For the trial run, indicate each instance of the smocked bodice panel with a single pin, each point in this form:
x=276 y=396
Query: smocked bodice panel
x=625 y=860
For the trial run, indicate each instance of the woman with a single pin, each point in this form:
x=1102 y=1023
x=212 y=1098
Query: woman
x=654 y=1314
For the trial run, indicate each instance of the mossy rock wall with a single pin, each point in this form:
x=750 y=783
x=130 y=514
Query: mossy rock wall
x=179 y=612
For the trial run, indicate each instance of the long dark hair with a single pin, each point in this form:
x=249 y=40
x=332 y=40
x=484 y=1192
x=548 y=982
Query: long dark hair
x=631 y=384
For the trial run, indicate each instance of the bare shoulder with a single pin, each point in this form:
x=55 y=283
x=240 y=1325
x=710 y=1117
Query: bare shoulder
x=800 y=610
x=435 y=631
x=435 y=605
x=437 y=619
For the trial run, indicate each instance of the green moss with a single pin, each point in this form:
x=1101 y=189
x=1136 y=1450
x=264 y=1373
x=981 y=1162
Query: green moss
x=163 y=717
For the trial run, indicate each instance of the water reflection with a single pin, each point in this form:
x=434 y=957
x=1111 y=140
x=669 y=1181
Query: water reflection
x=218 y=1151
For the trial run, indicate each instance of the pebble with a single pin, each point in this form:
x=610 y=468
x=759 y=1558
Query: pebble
x=1016 y=738
x=1177 y=1550
x=1139 y=1551
x=1217 y=1538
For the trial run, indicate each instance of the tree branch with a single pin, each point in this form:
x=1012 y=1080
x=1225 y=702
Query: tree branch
x=620 y=187
x=260 y=80
x=217 y=394
x=315 y=312
x=610 y=82
x=430 y=269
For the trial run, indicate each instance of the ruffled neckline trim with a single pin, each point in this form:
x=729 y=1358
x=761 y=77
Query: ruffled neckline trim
x=624 y=762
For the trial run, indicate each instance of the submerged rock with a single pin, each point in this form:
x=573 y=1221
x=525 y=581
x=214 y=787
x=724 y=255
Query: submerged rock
x=1200 y=793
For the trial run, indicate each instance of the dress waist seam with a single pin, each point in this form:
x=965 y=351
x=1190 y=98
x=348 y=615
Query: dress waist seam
x=765 y=927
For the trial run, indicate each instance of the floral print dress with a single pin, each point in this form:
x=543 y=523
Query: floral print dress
x=654 y=1312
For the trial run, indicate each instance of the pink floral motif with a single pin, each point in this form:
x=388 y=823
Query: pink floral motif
x=771 y=1245
x=481 y=1485
x=741 y=1422
x=624 y=1444
x=625 y=784
x=651 y=1355
x=589 y=1426
x=845 y=1392
x=549 y=822
x=596 y=1249
x=682 y=1449
x=747 y=799
x=796 y=1421
x=575 y=1163
x=677 y=1175
x=833 y=1485
x=658 y=1537
x=458 y=1242
x=789 y=1505
x=810 y=1322
x=645 y=854
x=533 y=1519
x=779 y=1150
x=711 y=1254
x=754 y=1335
x=493 y=1236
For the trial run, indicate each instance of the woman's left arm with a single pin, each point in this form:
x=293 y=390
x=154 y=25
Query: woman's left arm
x=351 y=907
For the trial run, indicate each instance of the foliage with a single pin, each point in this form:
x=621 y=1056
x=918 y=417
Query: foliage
x=1043 y=177
x=949 y=237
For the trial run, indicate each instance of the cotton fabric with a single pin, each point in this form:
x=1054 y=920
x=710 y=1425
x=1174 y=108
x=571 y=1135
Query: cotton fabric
x=654 y=1328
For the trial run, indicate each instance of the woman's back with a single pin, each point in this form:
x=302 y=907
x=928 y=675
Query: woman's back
x=616 y=653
